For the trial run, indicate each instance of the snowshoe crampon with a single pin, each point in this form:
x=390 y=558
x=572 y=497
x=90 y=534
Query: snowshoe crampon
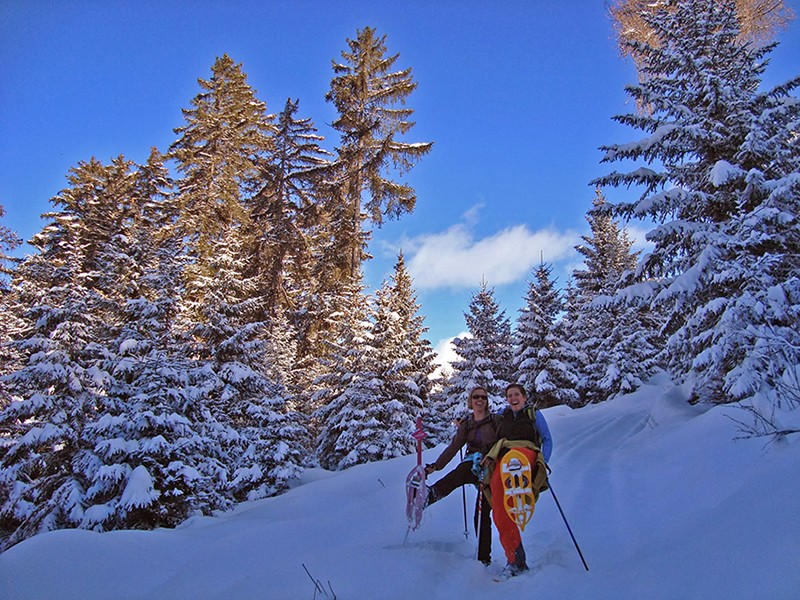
x=416 y=495
x=518 y=498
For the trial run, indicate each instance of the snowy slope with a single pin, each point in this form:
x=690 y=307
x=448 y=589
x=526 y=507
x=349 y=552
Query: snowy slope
x=663 y=501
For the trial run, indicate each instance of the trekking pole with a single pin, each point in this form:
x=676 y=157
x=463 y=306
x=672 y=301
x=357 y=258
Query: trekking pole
x=563 y=516
x=419 y=435
x=479 y=517
x=463 y=497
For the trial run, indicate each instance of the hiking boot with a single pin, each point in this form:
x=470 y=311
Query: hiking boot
x=431 y=497
x=509 y=571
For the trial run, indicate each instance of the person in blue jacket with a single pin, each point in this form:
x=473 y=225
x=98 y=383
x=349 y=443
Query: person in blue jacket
x=524 y=428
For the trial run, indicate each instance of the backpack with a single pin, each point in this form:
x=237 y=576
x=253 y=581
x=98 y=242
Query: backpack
x=537 y=437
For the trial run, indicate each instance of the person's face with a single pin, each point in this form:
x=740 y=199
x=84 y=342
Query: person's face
x=480 y=400
x=515 y=399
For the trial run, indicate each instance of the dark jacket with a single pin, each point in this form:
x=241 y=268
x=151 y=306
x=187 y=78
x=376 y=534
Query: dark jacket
x=478 y=436
x=519 y=426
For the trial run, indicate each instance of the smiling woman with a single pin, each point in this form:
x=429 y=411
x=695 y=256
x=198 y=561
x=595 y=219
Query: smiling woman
x=478 y=433
x=524 y=431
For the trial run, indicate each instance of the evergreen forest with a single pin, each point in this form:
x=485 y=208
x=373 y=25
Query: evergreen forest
x=192 y=332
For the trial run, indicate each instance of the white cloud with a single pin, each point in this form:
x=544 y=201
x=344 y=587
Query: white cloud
x=471 y=214
x=455 y=259
x=446 y=353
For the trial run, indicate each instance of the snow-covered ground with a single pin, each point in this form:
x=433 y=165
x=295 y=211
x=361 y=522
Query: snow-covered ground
x=663 y=501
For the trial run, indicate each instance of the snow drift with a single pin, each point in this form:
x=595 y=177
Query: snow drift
x=663 y=500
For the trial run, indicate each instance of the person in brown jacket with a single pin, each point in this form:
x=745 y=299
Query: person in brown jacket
x=478 y=432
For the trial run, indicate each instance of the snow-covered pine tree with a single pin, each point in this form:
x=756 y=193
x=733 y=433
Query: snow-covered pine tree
x=404 y=358
x=349 y=388
x=223 y=308
x=285 y=211
x=9 y=322
x=557 y=381
x=606 y=253
x=42 y=482
x=152 y=462
x=722 y=181
x=226 y=136
x=534 y=325
x=59 y=391
x=485 y=359
x=617 y=337
x=374 y=377
x=370 y=98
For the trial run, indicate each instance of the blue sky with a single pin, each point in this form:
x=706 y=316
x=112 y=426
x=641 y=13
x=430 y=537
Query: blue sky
x=516 y=96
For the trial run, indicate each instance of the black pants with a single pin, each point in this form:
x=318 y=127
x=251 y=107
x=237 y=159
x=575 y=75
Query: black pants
x=463 y=475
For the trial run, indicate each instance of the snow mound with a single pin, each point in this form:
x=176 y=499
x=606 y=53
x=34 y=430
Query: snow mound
x=662 y=499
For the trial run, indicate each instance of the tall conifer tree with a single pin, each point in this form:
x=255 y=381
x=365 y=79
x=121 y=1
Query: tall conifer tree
x=154 y=462
x=404 y=356
x=722 y=182
x=534 y=324
x=9 y=322
x=286 y=210
x=227 y=134
x=604 y=329
x=370 y=97
x=378 y=379
x=60 y=387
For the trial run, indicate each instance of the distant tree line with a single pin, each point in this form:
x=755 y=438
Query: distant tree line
x=192 y=331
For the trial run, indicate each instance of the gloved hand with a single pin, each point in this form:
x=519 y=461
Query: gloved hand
x=430 y=468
